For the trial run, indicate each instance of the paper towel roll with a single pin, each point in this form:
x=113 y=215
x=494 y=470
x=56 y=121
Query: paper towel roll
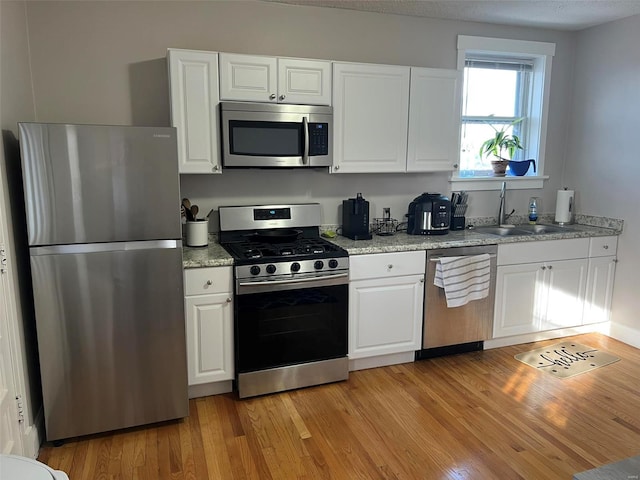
x=564 y=206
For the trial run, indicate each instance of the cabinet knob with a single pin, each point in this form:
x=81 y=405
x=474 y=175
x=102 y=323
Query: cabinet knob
x=455 y=165
x=543 y=267
x=422 y=280
x=337 y=167
x=615 y=260
x=606 y=247
x=282 y=97
x=390 y=266
x=216 y=168
x=229 y=299
x=550 y=267
x=272 y=96
x=209 y=282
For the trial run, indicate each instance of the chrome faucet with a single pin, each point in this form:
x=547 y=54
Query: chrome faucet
x=502 y=216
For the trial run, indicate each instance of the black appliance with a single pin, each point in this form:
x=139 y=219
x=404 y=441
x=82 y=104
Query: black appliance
x=429 y=214
x=291 y=298
x=355 y=218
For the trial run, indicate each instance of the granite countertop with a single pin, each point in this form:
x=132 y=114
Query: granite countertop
x=214 y=255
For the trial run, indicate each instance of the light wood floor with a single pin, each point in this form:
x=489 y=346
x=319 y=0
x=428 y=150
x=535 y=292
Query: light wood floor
x=481 y=415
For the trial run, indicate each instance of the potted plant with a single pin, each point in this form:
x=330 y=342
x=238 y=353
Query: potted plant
x=502 y=146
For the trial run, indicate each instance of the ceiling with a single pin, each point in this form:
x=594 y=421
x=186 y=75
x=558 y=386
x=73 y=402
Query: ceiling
x=568 y=15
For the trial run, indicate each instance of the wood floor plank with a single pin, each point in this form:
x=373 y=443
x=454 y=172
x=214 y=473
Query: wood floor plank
x=476 y=415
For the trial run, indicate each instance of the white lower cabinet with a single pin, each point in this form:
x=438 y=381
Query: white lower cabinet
x=600 y=276
x=597 y=307
x=542 y=291
x=386 y=294
x=209 y=317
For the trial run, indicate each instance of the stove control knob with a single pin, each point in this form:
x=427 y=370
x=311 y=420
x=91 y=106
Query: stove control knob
x=271 y=269
x=255 y=270
x=295 y=267
x=333 y=263
x=318 y=264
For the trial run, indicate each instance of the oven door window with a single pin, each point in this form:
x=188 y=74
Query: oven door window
x=289 y=327
x=266 y=139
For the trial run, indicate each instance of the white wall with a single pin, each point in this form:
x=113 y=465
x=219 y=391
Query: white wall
x=603 y=163
x=104 y=62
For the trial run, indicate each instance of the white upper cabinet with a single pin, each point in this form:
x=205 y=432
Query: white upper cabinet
x=395 y=119
x=254 y=78
x=193 y=82
x=370 y=118
x=304 y=82
x=434 y=120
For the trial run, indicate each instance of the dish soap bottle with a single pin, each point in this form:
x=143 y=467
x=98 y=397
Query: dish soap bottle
x=533 y=210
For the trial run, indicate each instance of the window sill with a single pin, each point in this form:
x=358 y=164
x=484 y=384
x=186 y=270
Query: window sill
x=494 y=183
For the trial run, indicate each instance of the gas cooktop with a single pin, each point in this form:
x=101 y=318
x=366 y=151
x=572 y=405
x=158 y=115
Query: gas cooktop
x=289 y=244
x=306 y=248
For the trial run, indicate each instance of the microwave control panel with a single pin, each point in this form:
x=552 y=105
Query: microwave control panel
x=318 y=139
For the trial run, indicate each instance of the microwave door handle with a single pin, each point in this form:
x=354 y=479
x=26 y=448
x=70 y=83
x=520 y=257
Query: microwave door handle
x=305 y=153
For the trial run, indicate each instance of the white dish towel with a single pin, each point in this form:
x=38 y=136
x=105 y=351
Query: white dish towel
x=463 y=278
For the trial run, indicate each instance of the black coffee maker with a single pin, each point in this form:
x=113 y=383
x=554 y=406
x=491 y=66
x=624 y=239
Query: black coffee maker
x=355 y=218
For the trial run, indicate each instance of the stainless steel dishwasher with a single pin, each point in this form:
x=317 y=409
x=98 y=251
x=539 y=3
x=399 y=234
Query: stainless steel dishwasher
x=458 y=329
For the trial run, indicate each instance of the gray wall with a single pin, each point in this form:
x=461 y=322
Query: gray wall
x=104 y=62
x=603 y=163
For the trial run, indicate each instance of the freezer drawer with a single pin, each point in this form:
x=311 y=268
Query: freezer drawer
x=95 y=183
x=111 y=337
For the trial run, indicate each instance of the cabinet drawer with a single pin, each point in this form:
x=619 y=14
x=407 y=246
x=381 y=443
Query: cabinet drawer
x=200 y=281
x=382 y=265
x=542 y=251
x=603 y=246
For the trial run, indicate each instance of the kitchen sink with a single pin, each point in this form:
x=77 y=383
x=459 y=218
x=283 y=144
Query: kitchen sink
x=538 y=229
x=502 y=231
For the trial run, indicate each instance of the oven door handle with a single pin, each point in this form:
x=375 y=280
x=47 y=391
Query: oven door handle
x=245 y=288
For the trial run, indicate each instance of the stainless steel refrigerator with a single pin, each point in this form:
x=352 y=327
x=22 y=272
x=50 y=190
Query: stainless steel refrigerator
x=104 y=231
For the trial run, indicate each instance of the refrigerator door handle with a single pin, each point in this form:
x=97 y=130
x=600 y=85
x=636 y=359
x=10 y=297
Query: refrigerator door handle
x=105 y=247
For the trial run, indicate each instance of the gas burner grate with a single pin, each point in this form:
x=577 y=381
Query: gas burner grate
x=301 y=246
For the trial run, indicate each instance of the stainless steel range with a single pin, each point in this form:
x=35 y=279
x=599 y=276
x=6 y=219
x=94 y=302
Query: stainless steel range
x=291 y=301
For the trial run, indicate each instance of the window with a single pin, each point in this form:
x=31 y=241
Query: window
x=504 y=80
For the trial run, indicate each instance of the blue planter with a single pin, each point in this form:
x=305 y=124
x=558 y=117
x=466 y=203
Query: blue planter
x=522 y=167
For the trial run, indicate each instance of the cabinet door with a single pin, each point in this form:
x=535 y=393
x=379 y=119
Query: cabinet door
x=370 y=118
x=305 y=82
x=565 y=284
x=193 y=79
x=248 y=78
x=520 y=297
x=385 y=316
x=209 y=338
x=434 y=120
x=600 y=275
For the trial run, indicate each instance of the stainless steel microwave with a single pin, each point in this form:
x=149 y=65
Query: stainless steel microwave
x=266 y=135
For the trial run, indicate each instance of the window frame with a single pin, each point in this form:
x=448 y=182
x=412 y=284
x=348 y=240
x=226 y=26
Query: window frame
x=540 y=54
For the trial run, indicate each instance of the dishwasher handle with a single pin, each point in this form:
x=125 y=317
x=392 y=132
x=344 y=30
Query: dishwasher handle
x=435 y=259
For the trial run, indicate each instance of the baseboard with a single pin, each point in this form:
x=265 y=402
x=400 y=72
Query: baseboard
x=628 y=335
x=206 y=389
x=33 y=436
x=381 y=361
x=546 y=335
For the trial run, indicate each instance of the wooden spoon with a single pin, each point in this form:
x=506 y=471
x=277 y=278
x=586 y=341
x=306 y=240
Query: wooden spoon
x=187 y=209
x=194 y=211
